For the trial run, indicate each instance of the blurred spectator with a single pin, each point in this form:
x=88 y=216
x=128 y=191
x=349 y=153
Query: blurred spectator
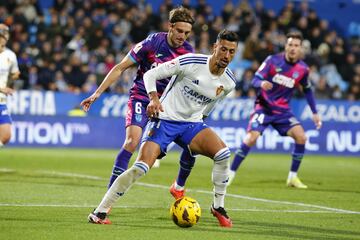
x=322 y=90
x=243 y=87
x=73 y=45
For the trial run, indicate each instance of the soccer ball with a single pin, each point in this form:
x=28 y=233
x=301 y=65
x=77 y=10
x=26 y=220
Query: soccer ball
x=185 y=212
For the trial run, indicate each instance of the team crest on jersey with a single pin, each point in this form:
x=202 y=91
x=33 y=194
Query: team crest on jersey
x=138 y=117
x=219 y=90
x=295 y=75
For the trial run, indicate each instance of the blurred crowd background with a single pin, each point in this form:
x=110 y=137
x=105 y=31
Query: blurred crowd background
x=72 y=45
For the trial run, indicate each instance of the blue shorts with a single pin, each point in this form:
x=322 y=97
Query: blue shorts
x=282 y=122
x=4 y=115
x=163 y=132
x=136 y=113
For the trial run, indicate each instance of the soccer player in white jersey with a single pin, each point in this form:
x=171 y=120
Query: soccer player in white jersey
x=8 y=70
x=198 y=82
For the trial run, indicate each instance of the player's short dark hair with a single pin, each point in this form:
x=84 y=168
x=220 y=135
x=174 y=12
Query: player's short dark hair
x=227 y=35
x=296 y=35
x=181 y=14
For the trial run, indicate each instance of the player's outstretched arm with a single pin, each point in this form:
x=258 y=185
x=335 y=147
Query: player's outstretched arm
x=110 y=78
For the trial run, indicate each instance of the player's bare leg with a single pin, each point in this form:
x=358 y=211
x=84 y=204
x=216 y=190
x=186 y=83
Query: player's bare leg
x=5 y=134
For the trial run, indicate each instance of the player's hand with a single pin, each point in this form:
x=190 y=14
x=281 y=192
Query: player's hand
x=86 y=103
x=154 y=107
x=266 y=85
x=7 y=91
x=317 y=121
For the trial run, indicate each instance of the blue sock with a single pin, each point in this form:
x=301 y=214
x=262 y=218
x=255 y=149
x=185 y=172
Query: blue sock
x=186 y=163
x=120 y=165
x=240 y=155
x=297 y=156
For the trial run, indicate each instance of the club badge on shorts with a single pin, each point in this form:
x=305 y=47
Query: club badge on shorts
x=138 y=117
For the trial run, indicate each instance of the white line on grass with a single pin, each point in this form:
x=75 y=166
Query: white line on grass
x=76 y=175
x=152 y=207
x=337 y=210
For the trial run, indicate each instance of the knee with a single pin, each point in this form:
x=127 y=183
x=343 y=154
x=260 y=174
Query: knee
x=300 y=139
x=131 y=144
x=222 y=157
x=5 y=138
x=250 y=140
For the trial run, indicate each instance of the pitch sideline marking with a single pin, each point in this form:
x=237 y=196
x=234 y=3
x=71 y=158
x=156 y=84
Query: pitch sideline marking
x=84 y=176
x=151 y=207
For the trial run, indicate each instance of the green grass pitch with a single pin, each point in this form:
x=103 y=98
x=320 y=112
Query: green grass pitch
x=48 y=193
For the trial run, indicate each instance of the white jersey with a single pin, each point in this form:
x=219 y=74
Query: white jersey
x=8 y=65
x=193 y=89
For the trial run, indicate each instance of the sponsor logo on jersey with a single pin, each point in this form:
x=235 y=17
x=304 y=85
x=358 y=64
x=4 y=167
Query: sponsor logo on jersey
x=219 y=90
x=278 y=69
x=195 y=96
x=158 y=55
x=284 y=80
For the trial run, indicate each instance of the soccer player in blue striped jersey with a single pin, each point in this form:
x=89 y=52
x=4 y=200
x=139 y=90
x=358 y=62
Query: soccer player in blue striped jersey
x=276 y=80
x=198 y=82
x=154 y=50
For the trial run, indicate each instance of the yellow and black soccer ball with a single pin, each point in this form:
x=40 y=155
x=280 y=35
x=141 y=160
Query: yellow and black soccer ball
x=185 y=212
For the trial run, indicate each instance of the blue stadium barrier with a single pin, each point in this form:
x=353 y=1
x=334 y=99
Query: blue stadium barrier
x=40 y=119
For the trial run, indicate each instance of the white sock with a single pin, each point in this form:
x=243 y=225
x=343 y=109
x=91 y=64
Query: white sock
x=1 y=144
x=292 y=175
x=121 y=185
x=220 y=177
x=231 y=176
x=178 y=187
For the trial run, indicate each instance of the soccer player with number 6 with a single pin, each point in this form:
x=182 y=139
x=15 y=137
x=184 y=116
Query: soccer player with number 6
x=157 y=48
